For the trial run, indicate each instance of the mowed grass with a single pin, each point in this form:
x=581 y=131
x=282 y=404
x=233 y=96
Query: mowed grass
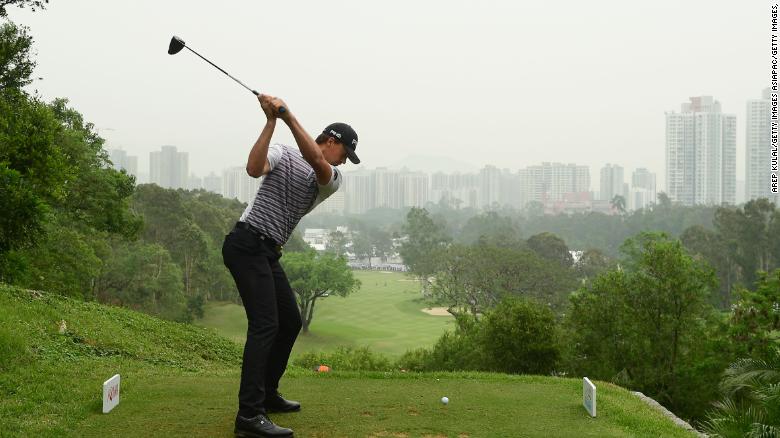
x=181 y=381
x=361 y=405
x=385 y=315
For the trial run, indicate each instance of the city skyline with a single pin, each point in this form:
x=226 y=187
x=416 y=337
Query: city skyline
x=498 y=82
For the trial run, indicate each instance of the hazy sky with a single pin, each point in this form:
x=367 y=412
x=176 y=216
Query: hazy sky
x=510 y=83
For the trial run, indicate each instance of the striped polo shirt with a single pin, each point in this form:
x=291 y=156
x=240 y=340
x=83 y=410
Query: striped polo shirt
x=286 y=193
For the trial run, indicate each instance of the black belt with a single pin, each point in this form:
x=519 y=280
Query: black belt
x=257 y=233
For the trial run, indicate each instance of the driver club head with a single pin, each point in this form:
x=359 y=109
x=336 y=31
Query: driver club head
x=175 y=46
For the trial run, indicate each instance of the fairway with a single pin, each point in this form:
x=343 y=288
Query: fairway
x=385 y=315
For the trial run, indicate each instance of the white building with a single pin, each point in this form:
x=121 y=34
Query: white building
x=359 y=191
x=237 y=184
x=758 y=149
x=121 y=160
x=642 y=193
x=552 y=182
x=701 y=153
x=169 y=168
x=414 y=189
x=611 y=183
x=213 y=183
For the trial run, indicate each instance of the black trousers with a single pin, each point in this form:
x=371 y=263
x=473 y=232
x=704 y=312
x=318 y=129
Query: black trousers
x=271 y=311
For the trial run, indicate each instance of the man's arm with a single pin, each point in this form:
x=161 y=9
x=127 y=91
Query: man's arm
x=309 y=149
x=257 y=163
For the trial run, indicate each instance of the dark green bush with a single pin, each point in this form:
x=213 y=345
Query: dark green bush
x=517 y=336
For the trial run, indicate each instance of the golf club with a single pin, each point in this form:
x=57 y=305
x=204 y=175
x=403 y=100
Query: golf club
x=177 y=44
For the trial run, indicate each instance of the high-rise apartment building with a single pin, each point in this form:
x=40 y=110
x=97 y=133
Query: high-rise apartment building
x=169 y=168
x=121 y=160
x=642 y=193
x=611 y=183
x=701 y=153
x=758 y=148
x=550 y=182
x=236 y=183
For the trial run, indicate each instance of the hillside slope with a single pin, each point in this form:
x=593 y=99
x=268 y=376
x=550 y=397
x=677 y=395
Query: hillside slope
x=180 y=380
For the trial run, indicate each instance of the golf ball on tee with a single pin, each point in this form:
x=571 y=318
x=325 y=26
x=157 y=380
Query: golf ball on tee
x=445 y=400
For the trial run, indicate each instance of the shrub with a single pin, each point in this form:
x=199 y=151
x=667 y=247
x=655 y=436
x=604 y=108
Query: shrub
x=345 y=359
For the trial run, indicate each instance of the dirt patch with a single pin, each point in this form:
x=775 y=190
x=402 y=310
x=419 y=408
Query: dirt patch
x=437 y=311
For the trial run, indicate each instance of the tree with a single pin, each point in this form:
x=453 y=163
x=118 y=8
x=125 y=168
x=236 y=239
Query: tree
x=591 y=263
x=423 y=243
x=474 y=279
x=362 y=247
x=32 y=4
x=709 y=245
x=618 y=203
x=337 y=243
x=313 y=277
x=143 y=277
x=190 y=248
x=16 y=63
x=747 y=235
x=648 y=325
x=296 y=242
x=551 y=247
x=751 y=403
x=754 y=323
x=521 y=336
x=489 y=228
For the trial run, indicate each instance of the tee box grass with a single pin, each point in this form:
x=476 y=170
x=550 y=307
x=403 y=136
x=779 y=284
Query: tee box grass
x=179 y=380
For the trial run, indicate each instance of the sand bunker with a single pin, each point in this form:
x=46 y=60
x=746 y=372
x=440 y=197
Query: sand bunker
x=437 y=311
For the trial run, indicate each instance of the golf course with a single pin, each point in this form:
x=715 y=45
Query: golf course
x=386 y=315
x=179 y=380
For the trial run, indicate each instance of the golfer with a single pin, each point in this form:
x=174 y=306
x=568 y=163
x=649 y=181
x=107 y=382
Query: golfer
x=295 y=181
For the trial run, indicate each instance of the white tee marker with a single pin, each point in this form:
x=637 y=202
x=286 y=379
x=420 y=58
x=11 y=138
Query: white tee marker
x=589 y=396
x=110 y=393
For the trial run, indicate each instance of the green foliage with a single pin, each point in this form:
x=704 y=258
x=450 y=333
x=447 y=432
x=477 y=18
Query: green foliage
x=460 y=350
x=520 y=336
x=551 y=247
x=296 y=243
x=517 y=336
x=755 y=319
x=190 y=225
x=93 y=330
x=424 y=243
x=314 y=277
x=20 y=222
x=649 y=325
x=751 y=403
x=345 y=359
x=591 y=263
x=32 y=4
x=64 y=262
x=749 y=237
x=474 y=279
x=489 y=228
x=142 y=276
x=16 y=63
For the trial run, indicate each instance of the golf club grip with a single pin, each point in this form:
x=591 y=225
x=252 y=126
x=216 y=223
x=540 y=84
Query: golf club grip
x=282 y=109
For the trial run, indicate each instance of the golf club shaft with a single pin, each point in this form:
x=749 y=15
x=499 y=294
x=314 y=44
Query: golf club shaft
x=281 y=109
x=223 y=71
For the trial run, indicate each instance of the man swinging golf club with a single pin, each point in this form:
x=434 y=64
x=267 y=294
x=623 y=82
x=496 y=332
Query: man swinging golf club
x=295 y=181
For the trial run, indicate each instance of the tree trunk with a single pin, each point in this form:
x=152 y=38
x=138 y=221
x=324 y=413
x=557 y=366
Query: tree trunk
x=310 y=315
x=304 y=321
